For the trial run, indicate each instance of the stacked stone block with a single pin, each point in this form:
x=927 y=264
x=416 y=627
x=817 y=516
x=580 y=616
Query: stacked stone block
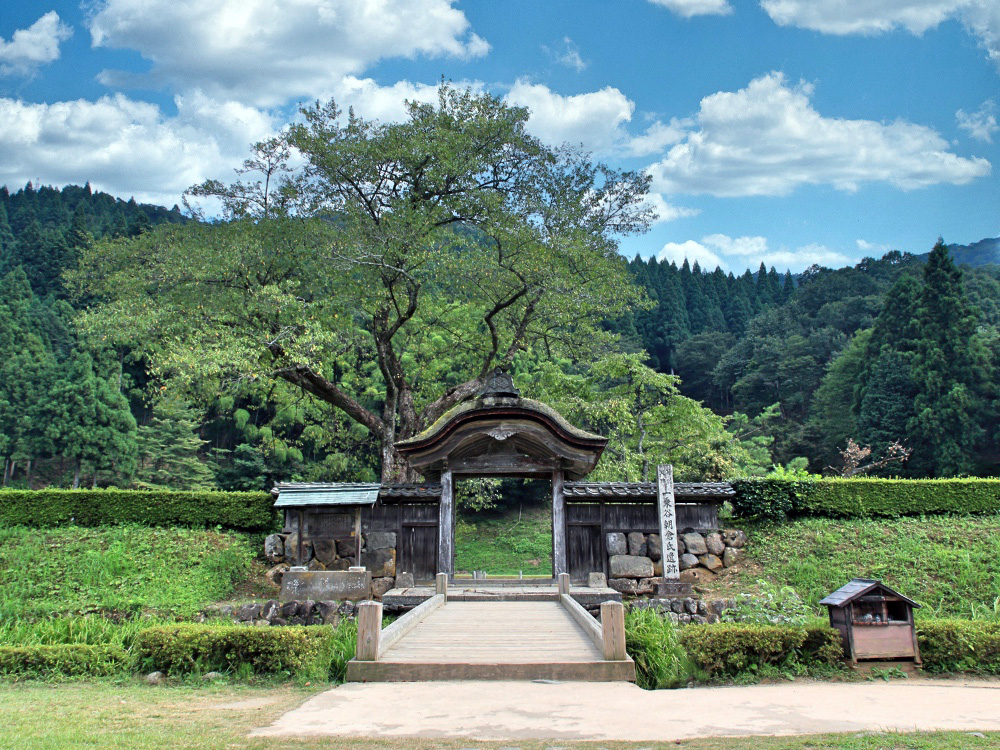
x=635 y=563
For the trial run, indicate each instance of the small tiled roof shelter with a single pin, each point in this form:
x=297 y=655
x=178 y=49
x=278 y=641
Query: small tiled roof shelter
x=325 y=511
x=874 y=621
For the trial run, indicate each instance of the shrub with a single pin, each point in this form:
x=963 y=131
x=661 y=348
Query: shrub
x=959 y=645
x=734 y=650
x=864 y=498
x=186 y=649
x=652 y=642
x=239 y=510
x=65 y=660
x=774 y=605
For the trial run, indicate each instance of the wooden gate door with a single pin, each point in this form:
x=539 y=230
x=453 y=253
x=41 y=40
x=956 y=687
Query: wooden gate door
x=584 y=548
x=417 y=547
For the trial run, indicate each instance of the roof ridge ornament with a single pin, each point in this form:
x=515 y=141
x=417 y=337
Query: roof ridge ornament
x=499 y=383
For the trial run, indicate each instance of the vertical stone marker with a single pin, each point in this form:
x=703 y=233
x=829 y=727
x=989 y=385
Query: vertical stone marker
x=668 y=521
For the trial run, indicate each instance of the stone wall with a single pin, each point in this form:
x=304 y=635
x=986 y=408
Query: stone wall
x=378 y=555
x=635 y=563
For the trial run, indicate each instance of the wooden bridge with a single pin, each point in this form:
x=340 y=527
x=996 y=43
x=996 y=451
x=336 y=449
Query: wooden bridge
x=517 y=638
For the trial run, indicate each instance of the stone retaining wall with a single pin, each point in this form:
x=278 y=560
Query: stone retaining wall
x=378 y=555
x=635 y=561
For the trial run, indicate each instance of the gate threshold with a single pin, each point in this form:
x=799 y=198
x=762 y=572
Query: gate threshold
x=498 y=591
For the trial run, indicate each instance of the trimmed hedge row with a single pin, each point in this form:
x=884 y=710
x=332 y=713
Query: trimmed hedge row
x=960 y=645
x=66 y=660
x=252 y=511
x=864 y=498
x=185 y=649
x=727 y=650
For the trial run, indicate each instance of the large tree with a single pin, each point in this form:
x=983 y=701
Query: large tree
x=390 y=273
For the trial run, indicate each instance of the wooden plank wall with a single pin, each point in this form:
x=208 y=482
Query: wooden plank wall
x=416 y=527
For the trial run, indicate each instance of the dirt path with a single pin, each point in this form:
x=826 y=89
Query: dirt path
x=621 y=711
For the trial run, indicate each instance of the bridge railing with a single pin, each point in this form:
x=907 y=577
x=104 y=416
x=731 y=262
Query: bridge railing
x=608 y=634
x=374 y=640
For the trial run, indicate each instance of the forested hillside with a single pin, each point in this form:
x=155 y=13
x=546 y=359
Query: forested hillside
x=141 y=348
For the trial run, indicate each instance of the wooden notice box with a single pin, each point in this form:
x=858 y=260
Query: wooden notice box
x=874 y=621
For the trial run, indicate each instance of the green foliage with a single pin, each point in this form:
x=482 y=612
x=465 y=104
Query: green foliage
x=946 y=563
x=168 y=450
x=506 y=544
x=959 y=646
x=45 y=508
x=654 y=644
x=771 y=605
x=732 y=651
x=65 y=660
x=122 y=571
x=285 y=651
x=864 y=498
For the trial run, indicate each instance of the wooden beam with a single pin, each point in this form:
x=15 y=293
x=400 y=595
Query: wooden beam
x=559 y=560
x=668 y=522
x=586 y=621
x=613 y=630
x=446 y=525
x=369 y=630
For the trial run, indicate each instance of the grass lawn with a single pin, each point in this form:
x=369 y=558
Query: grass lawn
x=135 y=716
x=123 y=569
x=949 y=564
x=505 y=544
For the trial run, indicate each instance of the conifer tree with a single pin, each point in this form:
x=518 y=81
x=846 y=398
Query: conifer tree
x=168 y=449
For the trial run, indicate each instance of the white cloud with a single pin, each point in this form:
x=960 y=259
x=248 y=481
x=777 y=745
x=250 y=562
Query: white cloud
x=34 y=46
x=568 y=55
x=767 y=139
x=127 y=147
x=982 y=123
x=266 y=53
x=667 y=211
x=740 y=253
x=658 y=136
x=873 y=249
x=980 y=17
x=688 y=8
x=691 y=251
x=594 y=119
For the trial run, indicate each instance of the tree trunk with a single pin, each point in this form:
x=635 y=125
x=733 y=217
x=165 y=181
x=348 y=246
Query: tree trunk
x=76 y=475
x=93 y=484
x=31 y=471
x=6 y=468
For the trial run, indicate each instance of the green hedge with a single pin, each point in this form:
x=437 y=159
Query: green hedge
x=960 y=645
x=238 y=510
x=864 y=498
x=66 y=660
x=730 y=650
x=186 y=649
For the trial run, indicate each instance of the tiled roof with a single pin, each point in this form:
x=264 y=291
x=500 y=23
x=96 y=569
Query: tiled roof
x=425 y=489
x=646 y=489
x=305 y=494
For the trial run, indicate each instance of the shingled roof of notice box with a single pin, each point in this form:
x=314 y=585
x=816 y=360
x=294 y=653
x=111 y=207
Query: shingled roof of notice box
x=348 y=493
x=596 y=490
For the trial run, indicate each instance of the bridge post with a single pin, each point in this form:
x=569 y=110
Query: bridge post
x=441 y=585
x=613 y=630
x=563 y=583
x=369 y=630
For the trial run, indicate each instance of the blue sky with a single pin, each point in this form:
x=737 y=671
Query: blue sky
x=785 y=131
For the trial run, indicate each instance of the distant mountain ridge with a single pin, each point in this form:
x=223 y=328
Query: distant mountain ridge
x=980 y=253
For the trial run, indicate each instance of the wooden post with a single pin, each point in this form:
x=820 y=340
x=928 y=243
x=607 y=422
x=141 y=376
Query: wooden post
x=564 y=583
x=613 y=630
x=668 y=522
x=446 y=524
x=559 y=564
x=441 y=585
x=369 y=630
